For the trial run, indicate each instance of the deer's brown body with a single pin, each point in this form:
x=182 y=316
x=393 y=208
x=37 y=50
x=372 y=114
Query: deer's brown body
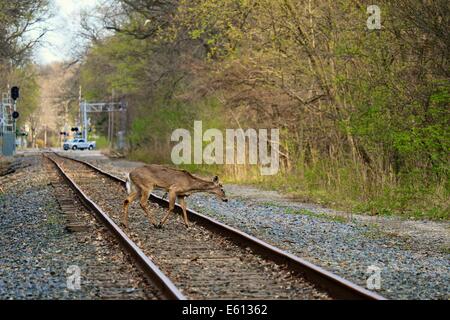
x=178 y=183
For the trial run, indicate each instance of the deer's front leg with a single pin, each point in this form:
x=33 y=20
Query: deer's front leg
x=144 y=206
x=183 y=206
x=126 y=204
x=172 y=199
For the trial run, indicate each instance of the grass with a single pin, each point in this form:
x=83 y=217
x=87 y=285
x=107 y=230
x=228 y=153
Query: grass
x=271 y=204
x=324 y=216
x=339 y=187
x=102 y=143
x=52 y=218
x=409 y=199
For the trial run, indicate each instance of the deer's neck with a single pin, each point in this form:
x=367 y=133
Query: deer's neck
x=201 y=185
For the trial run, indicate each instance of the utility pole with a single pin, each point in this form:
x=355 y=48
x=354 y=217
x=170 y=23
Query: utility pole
x=123 y=127
x=111 y=131
x=66 y=117
x=45 y=136
x=109 y=128
x=85 y=121
x=14 y=120
x=100 y=107
x=80 y=97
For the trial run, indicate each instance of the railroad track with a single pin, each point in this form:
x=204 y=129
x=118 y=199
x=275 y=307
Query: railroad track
x=208 y=261
x=107 y=274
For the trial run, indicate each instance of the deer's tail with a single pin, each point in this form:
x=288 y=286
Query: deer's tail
x=129 y=184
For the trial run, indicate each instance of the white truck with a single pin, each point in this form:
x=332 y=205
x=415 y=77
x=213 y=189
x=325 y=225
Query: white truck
x=79 y=144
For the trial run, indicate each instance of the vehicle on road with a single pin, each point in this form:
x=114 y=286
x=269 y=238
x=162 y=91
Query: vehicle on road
x=79 y=144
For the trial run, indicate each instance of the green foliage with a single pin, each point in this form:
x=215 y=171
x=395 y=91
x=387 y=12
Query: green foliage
x=363 y=115
x=101 y=143
x=118 y=63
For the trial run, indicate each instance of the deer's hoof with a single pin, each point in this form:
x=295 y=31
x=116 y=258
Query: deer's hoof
x=188 y=226
x=158 y=226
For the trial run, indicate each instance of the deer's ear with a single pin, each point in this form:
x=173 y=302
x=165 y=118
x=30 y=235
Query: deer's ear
x=216 y=179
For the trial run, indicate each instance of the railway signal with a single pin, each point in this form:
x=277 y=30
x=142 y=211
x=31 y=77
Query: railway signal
x=15 y=115
x=15 y=93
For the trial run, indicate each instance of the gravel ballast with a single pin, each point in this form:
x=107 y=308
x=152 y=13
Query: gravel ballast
x=38 y=255
x=412 y=256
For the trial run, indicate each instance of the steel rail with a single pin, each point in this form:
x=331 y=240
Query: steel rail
x=151 y=271
x=336 y=286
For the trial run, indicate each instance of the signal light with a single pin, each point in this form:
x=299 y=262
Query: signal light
x=15 y=93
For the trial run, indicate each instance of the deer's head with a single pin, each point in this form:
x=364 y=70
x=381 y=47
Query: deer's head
x=218 y=190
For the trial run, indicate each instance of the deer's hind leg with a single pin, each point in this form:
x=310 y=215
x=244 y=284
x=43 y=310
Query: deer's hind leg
x=144 y=205
x=183 y=206
x=126 y=204
x=172 y=199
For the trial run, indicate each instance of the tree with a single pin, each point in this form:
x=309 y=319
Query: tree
x=361 y=112
x=17 y=18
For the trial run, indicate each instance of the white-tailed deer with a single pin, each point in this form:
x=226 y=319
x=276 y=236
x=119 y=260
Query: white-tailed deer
x=178 y=183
